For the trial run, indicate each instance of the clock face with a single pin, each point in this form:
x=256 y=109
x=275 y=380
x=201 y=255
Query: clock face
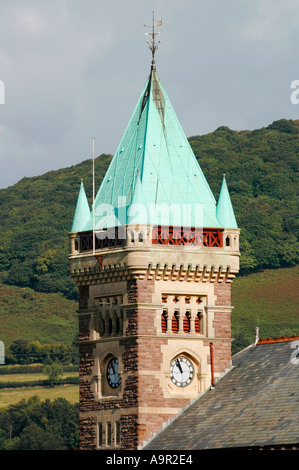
x=181 y=371
x=113 y=377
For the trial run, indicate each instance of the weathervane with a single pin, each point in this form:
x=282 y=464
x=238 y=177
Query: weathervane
x=153 y=44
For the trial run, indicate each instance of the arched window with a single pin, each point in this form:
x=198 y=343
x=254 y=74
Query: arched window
x=140 y=237
x=197 y=323
x=110 y=326
x=117 y=325
x=175 y=322
x=132 y=237
x=164 y=322
x=76 y=245
x=186 y=323
x=227 y=241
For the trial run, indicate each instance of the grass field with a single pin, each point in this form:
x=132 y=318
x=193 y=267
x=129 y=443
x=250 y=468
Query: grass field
x=31 y=377
x=12 y=396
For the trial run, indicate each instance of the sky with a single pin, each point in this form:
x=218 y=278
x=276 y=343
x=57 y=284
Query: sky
x=72 y=70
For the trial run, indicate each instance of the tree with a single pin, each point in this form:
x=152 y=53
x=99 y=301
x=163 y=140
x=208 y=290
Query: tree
x=39 y=425
x=54 y=372
x=34 y=437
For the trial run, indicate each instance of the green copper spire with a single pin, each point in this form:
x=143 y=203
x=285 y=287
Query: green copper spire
x=225 y=213
x=155 y=147
x=82 y=212
x=137 y=210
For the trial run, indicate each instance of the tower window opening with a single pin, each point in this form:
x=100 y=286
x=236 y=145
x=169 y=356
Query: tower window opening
x=100 y=437
x=140 y=237
x=76 y=245
x=109 y=434
x=132 y=237
x=227 y=241
x=110 y=326
x=117 y=325
x=197 y=323
x=117 y=433
x=186 y=323
x=164 y=322
x=175 y=322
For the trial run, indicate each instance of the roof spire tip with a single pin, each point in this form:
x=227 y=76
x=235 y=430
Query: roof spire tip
x=153 y=44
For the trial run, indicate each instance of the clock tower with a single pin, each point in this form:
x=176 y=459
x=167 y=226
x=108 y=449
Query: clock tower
x=153 y=260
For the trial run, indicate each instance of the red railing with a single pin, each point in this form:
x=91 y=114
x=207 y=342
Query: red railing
x=164 y=235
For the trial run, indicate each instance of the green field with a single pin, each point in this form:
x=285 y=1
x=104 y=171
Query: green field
x=11 y=396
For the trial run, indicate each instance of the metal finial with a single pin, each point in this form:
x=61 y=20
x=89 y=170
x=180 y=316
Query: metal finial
x=153 y=44
x=256 y=334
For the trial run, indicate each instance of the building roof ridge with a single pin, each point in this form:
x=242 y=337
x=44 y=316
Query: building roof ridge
x=280 y=339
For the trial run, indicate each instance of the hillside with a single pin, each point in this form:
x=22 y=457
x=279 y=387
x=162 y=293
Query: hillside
x=36 y=316
x=268 y=300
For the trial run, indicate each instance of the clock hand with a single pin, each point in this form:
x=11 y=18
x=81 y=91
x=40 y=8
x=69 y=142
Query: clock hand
x=179 y=366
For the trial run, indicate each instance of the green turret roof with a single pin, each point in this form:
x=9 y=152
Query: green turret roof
x=155 y=166
x=82 y=212
x=225 y=212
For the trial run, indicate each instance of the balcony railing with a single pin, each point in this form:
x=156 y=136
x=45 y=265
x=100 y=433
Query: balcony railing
x=109 y=239
x=164 y=235
x=161 y=235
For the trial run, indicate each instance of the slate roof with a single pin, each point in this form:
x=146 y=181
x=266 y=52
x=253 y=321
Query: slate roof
x=254 y=405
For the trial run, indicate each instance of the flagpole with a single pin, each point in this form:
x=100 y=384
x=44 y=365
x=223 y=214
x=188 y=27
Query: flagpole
x=93 y=198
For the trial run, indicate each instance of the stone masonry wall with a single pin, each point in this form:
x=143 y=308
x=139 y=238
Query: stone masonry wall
x=222 y=328
x=141 y=359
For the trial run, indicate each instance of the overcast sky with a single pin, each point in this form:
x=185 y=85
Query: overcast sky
x=74 y=69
